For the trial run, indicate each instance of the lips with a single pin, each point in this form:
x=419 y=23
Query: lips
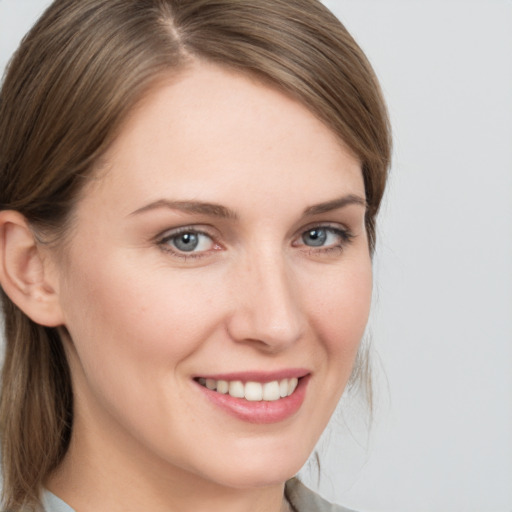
x=257 y=397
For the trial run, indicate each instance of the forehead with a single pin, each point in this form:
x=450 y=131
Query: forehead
x=215 y=132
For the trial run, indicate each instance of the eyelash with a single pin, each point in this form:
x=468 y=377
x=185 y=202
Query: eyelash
x=345 y=236
x=163 y=241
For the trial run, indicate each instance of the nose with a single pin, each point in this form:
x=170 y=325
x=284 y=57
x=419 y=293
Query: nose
x=267 y=309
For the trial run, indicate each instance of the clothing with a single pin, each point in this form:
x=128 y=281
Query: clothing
x=298 y=495
x=51 y=503
x=303 y=499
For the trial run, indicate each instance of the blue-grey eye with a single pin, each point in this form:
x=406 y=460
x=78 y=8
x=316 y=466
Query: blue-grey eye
x=315 y=237
x=186 y=242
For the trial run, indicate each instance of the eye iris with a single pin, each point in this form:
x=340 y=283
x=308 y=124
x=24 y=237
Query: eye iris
x=315 y=237
x=186 y=242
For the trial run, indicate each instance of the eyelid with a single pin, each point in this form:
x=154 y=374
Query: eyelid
x=164 y=237
x=345 y=234
x=333 y=226
x=199 y=229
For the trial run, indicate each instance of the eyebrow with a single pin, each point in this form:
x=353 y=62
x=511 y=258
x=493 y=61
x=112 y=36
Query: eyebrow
x=210 y=209
x=335 y=204
x=217 y=210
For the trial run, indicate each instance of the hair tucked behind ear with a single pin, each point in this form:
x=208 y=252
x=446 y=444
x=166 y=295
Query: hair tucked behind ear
x=76 y=76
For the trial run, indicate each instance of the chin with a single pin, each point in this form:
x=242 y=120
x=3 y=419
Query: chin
x=252 y=478
x=260 y=469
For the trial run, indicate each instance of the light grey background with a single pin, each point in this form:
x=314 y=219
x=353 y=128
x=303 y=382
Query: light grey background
x=441 y=438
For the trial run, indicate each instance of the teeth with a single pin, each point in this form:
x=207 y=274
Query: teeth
x=292 y=384
x=253 y=391
x=283 y=388
x=222 y=386
x=271 y=391
x=236 y=389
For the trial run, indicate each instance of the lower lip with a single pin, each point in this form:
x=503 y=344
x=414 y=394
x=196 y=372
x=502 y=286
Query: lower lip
x=262 y=411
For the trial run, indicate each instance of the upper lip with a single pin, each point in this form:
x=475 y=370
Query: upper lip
x=258 y=376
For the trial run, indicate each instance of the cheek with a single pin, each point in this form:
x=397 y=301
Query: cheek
x=118 y=313
x=340 y=310
x=134 y=333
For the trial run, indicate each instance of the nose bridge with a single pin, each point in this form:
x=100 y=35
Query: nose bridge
x=269 y=310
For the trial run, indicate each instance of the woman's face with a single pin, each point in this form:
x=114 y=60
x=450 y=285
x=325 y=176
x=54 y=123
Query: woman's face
x=221 y=246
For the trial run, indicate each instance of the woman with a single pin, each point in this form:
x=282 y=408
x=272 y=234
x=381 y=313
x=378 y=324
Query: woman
x=189 y=192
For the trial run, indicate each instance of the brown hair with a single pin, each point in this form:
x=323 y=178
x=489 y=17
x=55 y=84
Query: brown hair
x=77 y=74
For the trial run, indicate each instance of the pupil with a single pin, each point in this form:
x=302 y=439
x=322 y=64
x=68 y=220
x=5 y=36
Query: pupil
x=315 y=237
x=186 y=242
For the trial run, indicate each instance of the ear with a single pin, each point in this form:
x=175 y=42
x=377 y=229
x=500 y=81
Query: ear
x=24 y=273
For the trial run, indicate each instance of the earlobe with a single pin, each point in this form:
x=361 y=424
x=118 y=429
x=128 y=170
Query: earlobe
x=23 y=273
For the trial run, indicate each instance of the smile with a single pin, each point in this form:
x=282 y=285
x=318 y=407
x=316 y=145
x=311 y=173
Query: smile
x=252 y=391
x=257 y=397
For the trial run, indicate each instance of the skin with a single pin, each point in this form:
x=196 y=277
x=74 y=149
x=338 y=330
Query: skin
x=140 y=320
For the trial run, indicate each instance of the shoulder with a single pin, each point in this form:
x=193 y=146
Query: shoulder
x=303 y=499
